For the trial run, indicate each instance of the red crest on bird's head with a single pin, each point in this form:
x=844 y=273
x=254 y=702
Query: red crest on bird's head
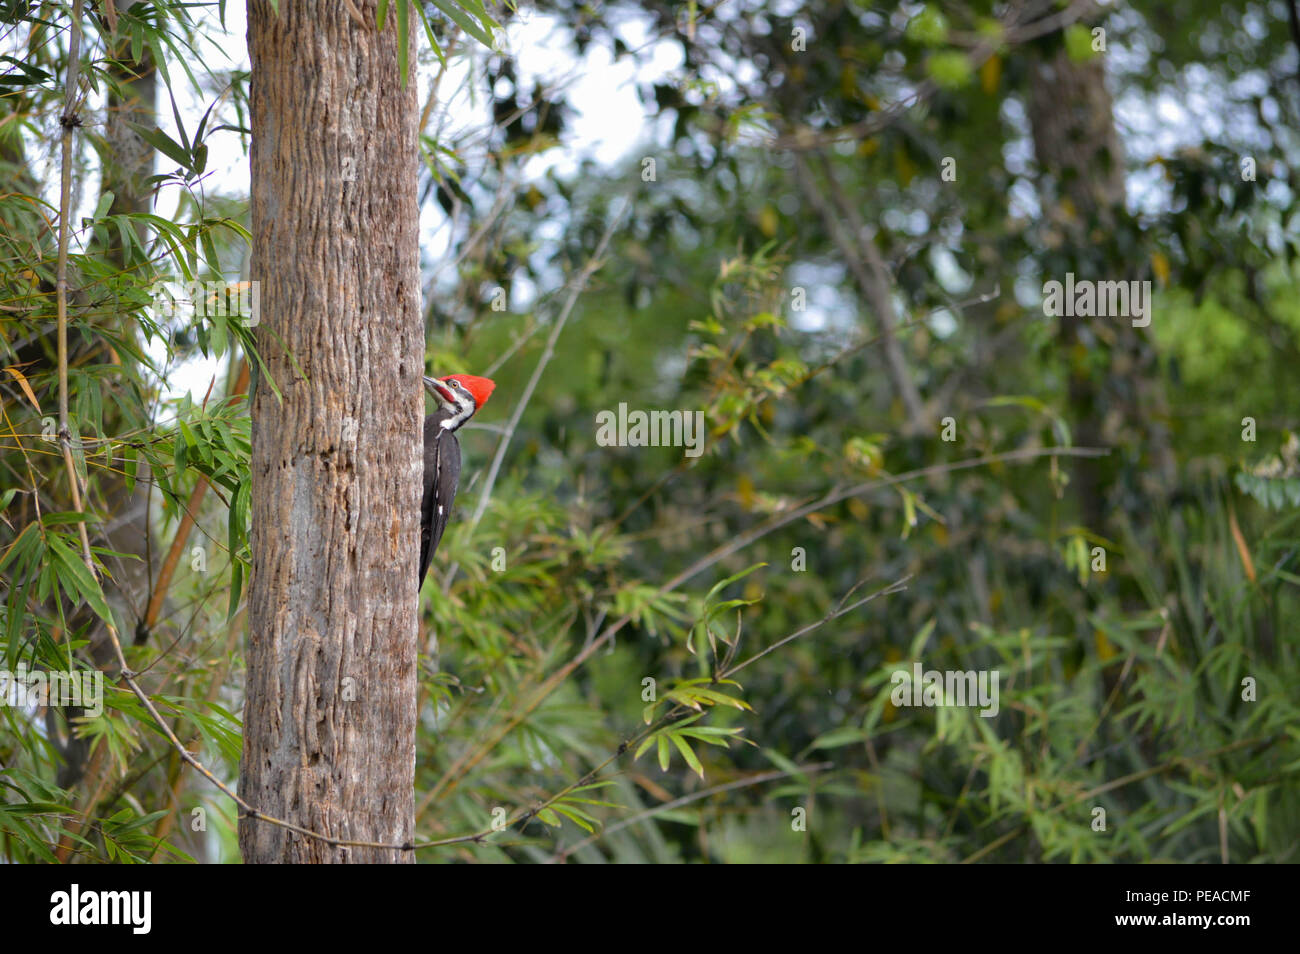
x=480 y=388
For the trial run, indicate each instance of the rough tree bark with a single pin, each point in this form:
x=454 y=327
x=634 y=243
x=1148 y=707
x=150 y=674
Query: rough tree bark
x=329 y=718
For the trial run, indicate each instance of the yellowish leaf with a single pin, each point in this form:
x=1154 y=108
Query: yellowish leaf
x=904 y=165
x=991 y=75
x=1160 y=266
x=745 y=491
x=1243 y=551
x=27 y=388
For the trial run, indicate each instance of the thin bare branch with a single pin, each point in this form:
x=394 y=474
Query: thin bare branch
x=576 y=287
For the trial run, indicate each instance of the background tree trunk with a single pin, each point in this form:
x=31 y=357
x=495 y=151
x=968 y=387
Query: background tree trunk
x=1119 y=401
x=329 y=721
x=127 y=165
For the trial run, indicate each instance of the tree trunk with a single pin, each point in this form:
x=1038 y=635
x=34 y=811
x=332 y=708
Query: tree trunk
x=1121 y=405
x=127 y=162
x=329 y=718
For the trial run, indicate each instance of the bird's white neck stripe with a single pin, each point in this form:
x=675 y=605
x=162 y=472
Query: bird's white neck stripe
x=464 y=412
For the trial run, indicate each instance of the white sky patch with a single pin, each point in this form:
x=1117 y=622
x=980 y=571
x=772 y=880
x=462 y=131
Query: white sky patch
x=826 y=307
x=954 y=279
x=941 y=322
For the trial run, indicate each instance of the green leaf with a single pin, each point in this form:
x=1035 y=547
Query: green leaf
x=464 y=21
x=130 y=463
x=237 y=528
x=105 y=203
x=428 y=32
x=919 y=640
x=837 y=738
x=1078 y=42
x=403 y=40
x=164 y=144
x=712 y=734
x=83 y=583
x=65 y=517
x=929 y=27
x=579 y=818
x=18 y=547
x=786 y=764
x=950 y=69
x=549 y=816
x=732 y=579
x=688 y=754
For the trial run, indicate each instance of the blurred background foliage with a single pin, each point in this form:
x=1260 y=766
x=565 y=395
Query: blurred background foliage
x=832 y=240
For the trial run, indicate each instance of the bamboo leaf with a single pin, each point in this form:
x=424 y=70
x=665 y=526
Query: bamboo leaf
x=26 y=388
x=83 y=583
x=164 y=144
x=688 y=754
x=403 y=40
x=464 y=21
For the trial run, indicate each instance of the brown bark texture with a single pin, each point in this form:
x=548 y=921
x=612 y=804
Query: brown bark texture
x=329 y=717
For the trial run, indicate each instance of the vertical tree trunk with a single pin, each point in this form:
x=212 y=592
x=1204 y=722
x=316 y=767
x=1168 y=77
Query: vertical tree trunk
x=329 y=721
x=1078 y=148
x=127 y=163
x=1122 y=405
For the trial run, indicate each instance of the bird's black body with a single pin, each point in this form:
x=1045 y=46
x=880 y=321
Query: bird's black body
x=441 y=477
x=458 y=397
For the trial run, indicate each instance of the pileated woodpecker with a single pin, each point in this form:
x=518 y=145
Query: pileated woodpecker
x=458 y=396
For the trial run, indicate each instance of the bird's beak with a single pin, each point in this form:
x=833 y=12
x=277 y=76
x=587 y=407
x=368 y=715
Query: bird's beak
x=440 y=391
